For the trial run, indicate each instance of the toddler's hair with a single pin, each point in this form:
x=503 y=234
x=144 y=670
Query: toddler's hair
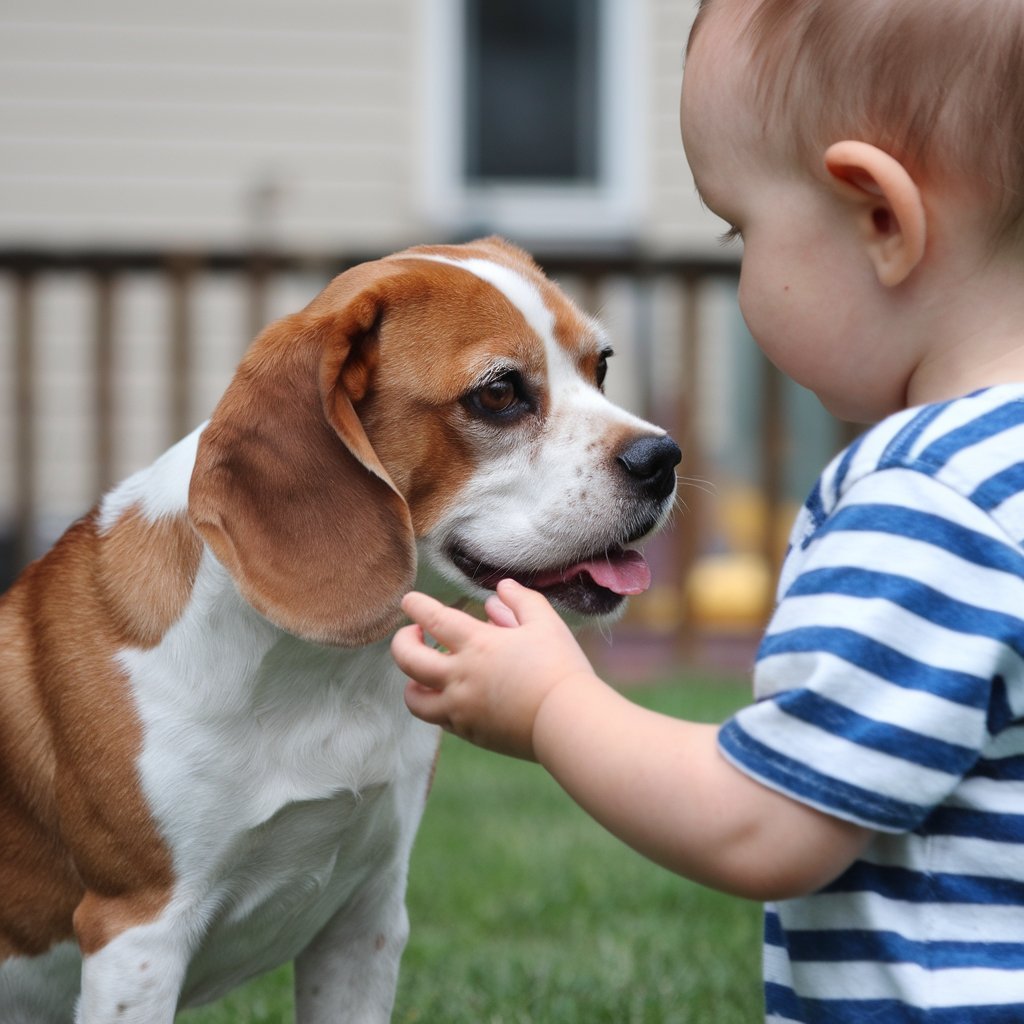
x=938 y=84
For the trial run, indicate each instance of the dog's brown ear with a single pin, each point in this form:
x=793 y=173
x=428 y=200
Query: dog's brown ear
x=287 y=489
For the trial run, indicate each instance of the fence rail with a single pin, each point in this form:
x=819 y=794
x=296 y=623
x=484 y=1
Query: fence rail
x=254 y=273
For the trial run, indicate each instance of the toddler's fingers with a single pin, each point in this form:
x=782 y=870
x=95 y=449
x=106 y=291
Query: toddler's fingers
x=499 y=613
x=525 y=604
x=449 y=626
x=412 y=655
x=426 y=704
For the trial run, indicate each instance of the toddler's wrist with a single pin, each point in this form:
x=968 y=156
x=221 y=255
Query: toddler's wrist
x=557 y=709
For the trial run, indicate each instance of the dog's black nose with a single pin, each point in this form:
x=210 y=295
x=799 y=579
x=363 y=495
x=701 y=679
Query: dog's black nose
x=652 y=461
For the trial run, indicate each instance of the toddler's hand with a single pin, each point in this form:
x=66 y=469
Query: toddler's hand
x=489 y=684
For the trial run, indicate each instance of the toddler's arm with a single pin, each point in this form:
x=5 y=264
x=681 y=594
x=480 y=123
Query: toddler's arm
x=521 y=685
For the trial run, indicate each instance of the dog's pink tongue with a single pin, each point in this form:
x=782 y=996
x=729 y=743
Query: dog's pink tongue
x=624 y=572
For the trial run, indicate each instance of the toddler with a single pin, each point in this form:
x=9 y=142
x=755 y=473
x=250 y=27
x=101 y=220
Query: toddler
x=871 y=155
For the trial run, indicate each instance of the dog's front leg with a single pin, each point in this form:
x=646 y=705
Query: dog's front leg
x=348 y=973
x=135 y=979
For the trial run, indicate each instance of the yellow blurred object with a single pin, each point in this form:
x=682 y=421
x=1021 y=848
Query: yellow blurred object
x=730 y=591
x=742 y=514
x=658 y=609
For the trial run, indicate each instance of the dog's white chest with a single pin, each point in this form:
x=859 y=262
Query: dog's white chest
x=280 y=883
x=284 y=781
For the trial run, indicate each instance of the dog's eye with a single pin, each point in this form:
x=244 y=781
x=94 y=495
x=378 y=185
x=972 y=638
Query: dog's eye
x=501 y=396
x=498 y=396
x=602 y=367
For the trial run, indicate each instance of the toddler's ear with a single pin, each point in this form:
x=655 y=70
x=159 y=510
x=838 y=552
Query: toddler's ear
x=887 y=203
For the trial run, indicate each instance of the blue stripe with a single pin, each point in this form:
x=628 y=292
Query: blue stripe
x=780 y=1000
x=805 y=784
x=894 y=740
x=923 y=600
x=816 y=508
x=880 y=660
x=932 y=529
x=843 y=469
x=972 y=824
x=1000 y=715
x=989 y=424
x=897 y=449
x=997 y=488
x=909 y=886
x=1010 y=769
x=834 y=946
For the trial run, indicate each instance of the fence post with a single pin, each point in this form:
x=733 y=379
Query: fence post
x=690 y=518
x=103 y=394
x=24 y=416
x=180 y=272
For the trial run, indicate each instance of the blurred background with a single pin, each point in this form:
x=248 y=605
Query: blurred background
x=173 y=176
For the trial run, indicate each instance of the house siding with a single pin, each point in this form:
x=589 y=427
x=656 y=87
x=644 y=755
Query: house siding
x=229 y=122
x=223 y=123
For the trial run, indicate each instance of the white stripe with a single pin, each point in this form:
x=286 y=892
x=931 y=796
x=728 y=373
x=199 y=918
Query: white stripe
x=990 y=796
x=870 y=449
x=902 y=630
x=947 y=855
x=836 y=757
x=866 y=693
x=1009 y=513
x=520 y=292
x=963 y=412
x=966 y=470
x=1010 y=742
x=776 y=965
x=914 y=985
x=890 y=553
x=918 y=922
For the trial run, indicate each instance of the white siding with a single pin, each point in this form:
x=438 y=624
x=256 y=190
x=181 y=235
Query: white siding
x=127 y=122
x=221 y=122
x=675 y=220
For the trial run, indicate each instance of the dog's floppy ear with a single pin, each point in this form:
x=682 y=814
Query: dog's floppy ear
x=287 y=489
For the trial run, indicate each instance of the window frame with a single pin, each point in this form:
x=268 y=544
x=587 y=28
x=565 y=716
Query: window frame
x=606 y=210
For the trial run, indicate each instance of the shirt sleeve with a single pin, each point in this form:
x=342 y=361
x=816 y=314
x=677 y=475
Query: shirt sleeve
x=876 y=677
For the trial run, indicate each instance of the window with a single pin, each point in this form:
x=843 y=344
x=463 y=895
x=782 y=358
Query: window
x=530 y=93
x=533 y=117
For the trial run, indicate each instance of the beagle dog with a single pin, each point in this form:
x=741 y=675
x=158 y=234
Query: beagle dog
x=206 y=765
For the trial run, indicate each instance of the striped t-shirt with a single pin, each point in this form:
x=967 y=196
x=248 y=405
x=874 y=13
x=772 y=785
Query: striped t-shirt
x=890 y=692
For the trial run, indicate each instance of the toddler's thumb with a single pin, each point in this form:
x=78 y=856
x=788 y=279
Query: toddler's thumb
x=499 y=613
x=525 y=604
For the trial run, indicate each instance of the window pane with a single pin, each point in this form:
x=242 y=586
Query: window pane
x=531 y=90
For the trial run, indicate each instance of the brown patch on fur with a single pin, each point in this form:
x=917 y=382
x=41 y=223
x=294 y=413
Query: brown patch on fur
x=147 y=569
x=99 y=919
x=72 y=814
x=38 y=879
x=287 y=489
x=414 y=412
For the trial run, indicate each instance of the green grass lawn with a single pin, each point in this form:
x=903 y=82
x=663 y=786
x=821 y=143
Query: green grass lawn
x=524 y=910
